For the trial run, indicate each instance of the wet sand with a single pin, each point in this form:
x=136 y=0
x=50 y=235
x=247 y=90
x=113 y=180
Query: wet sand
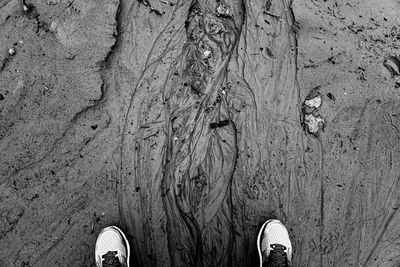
x=190 y=123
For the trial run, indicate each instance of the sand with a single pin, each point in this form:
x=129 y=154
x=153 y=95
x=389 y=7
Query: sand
x=189 y=123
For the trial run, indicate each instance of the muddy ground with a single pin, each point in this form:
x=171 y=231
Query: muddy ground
x=189 y=123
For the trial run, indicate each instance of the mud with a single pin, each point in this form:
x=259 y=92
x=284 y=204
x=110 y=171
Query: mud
x=189 y=123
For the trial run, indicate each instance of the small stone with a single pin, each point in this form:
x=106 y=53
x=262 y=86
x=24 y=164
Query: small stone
x=25 y=8
x=314 y=123
x=11 y=51
x=206 y=54
x=314 y=103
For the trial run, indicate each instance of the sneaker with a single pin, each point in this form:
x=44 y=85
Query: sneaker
x=112 y=248
x=273 y=244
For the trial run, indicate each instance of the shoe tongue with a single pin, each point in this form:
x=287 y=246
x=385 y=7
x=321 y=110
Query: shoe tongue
x=277 y=247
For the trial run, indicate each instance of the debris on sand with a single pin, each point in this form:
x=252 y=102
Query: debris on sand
x=144 y=2
x=219 y=124
x=268 y=5
x=362 y=73
x=152 y=10
x=273 y=15
x=331 y=96
x=269 y=52
x=5 y=57
x=312 y=121
x=392 y=64
x=167 y=2
x=158 y=13
x=224 y=11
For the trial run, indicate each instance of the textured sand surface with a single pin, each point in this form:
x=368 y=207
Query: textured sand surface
x=190 y=123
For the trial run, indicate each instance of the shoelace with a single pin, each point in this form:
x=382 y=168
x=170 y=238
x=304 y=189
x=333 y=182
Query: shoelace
x=277 y=256
x=110 y=259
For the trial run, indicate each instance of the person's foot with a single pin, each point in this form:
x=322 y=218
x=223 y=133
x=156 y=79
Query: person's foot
x=273 y=244
x=112 y=248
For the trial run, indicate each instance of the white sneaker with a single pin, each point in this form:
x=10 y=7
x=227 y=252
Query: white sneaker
x=112 y=248
x=273 y=244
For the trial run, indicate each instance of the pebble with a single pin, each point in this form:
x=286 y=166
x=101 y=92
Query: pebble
x=11 y=51
x=314 y=123
x=206 y=54
x=314 y=103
